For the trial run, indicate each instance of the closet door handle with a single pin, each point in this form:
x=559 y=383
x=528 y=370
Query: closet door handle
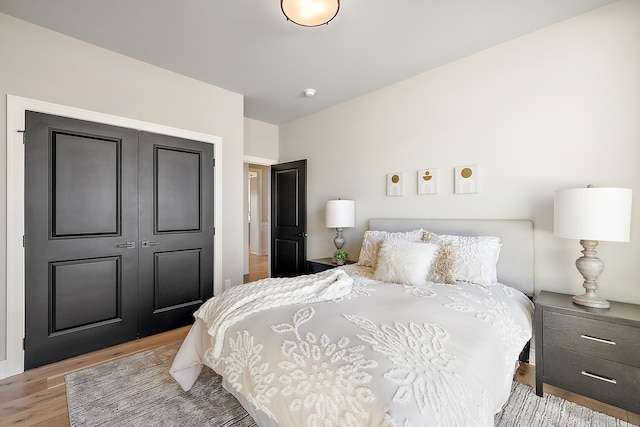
x=127 y=245
x=148 y=244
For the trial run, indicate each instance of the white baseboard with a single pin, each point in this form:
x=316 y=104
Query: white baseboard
x=3 y=369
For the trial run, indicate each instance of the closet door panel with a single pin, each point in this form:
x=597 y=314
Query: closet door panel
x=81 y=221
x=176 y=230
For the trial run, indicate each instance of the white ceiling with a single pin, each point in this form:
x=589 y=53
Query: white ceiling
x=248 y=47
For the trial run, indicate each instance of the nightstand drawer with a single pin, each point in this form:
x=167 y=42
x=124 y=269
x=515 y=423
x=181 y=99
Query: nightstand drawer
x=605 y=340
x=600 y=379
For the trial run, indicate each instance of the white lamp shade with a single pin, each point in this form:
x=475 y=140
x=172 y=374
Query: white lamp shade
x=310 y=13
x=593 y=214
x=340 y=213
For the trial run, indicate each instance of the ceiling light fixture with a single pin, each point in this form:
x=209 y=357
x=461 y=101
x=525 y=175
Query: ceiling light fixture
x=310 y=13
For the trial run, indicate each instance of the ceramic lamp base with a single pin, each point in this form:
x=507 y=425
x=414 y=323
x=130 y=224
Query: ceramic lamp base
x=590 y=266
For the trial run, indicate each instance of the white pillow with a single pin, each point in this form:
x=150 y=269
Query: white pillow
x=369 y=248
x=477 y=257
x=404 y=262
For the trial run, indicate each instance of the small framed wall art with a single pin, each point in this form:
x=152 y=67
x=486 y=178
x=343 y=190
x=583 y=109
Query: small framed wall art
x=467 y=179
x=395 y=184
x=428 y=181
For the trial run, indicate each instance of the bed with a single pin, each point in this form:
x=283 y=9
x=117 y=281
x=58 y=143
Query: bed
x=375 y=343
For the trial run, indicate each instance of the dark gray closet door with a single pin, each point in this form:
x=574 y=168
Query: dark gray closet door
x=81 y=217
x=176 y=230
x=119 y=235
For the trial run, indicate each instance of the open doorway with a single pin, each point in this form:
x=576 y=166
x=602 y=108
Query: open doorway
x=257 y=214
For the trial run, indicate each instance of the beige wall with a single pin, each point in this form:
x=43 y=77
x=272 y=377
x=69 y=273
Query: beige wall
x=260 y=140
x=47 y=66
x=554 y=109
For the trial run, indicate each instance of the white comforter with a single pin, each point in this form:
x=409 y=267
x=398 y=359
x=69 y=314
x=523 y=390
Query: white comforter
x=373 y=353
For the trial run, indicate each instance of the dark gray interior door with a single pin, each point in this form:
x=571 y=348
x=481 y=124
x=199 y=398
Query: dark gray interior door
x=119 y=235
x=289 y=219
x=81 y=217
x=176 y=230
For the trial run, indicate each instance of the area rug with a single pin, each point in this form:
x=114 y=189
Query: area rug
x=525 y=408
x=138 y=391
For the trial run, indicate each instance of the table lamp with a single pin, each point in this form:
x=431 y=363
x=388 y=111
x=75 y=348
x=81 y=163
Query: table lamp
x=340 y=214
x=592 y=214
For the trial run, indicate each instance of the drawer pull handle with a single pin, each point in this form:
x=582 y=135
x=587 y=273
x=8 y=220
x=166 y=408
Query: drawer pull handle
x=598 y=377
x=587 y=337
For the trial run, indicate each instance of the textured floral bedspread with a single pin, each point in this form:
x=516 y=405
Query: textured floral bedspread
x=381 y=355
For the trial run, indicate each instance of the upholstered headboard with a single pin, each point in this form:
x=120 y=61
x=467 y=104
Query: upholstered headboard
x=516 y=262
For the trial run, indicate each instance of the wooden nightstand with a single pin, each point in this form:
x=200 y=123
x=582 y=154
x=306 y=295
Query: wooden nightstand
x=589 y=351
x=322 y=264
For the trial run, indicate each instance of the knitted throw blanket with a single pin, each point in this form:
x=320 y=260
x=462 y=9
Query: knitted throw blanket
x=233 y=305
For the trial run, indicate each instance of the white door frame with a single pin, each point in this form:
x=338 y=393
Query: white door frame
x=255 y=208
x=16 y=108
x=260 y=161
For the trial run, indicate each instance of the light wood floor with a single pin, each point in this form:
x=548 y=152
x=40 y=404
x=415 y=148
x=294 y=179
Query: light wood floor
x=258 y=268
x=38 y=397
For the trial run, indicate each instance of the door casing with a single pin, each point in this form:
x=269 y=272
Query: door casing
x=264 y=165
x=16 y=108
